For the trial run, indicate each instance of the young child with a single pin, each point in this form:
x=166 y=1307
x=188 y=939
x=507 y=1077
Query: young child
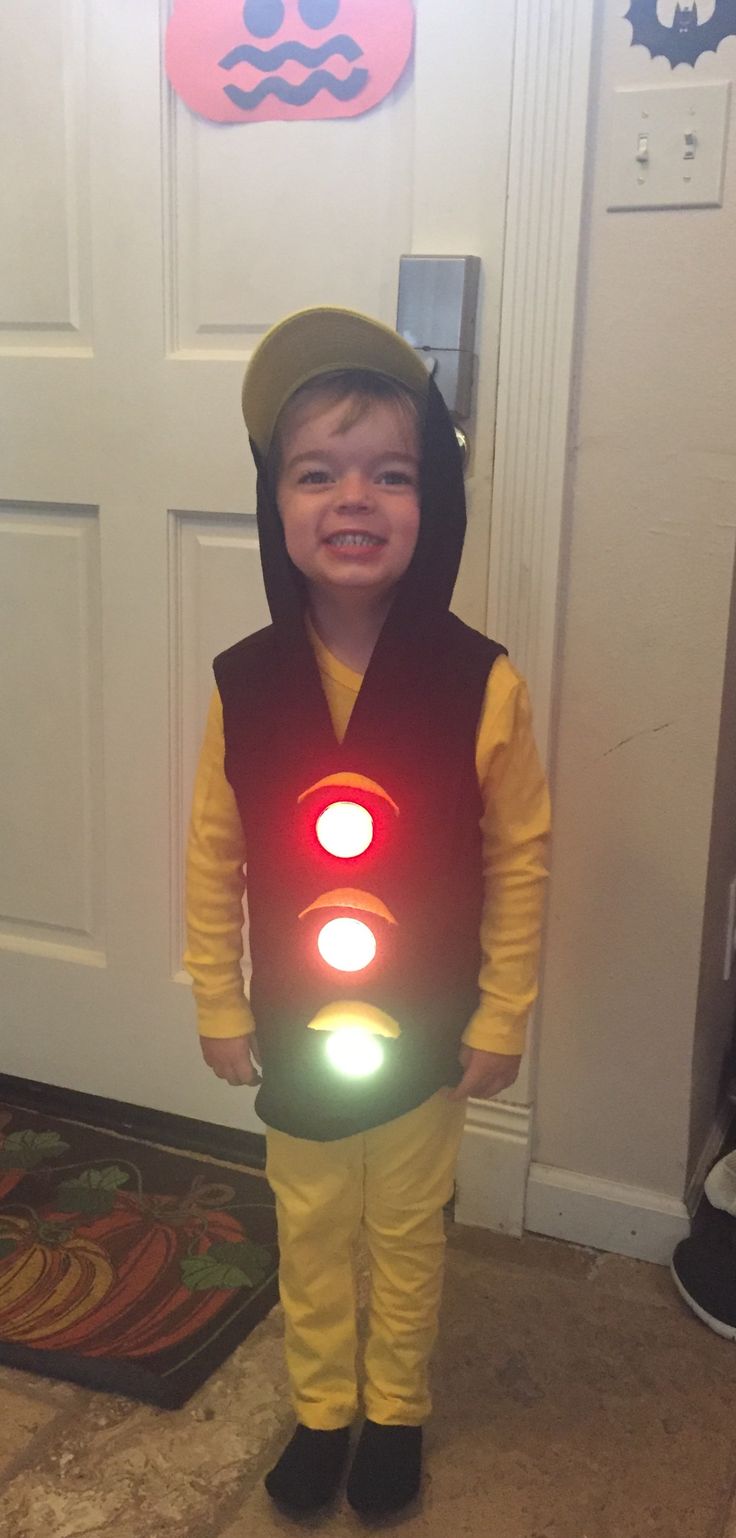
x=364 y=688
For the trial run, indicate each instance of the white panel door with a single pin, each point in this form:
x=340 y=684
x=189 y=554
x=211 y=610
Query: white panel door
x=144 y=253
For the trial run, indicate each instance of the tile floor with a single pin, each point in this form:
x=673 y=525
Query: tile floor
x=576 y=1397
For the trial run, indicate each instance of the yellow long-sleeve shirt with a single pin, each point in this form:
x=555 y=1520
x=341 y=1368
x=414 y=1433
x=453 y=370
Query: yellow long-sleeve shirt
x=514 y=824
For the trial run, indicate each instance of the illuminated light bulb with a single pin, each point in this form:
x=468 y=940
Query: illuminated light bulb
x=345 y=829
x=347 y=944
x=354 y=1052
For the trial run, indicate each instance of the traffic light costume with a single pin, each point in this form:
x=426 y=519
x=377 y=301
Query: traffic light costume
x=424 y=866
x=437 y=698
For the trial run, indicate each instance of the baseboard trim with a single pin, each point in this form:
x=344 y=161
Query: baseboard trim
x=138 y=1121
x=601 y=1214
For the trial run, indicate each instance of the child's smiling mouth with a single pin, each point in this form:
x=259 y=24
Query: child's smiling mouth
x=354 y=539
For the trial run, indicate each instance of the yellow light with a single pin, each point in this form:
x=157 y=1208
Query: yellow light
x=345 y=829
x=354 y=1052
x=347 y=944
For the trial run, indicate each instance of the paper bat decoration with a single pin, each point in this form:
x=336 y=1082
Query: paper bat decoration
x=685 y=40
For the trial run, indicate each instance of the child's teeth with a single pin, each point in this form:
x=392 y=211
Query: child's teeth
x=354 y=539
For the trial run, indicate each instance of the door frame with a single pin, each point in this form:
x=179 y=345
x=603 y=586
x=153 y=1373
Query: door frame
x=546 y=184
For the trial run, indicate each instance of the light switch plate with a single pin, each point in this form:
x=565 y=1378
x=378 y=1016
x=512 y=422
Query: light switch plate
x=668 y=146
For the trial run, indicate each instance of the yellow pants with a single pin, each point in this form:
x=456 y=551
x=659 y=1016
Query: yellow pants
x=394 y=1182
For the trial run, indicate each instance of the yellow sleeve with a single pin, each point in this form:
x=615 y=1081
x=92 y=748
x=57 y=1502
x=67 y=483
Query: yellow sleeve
x=215 y=886
x=515 y=829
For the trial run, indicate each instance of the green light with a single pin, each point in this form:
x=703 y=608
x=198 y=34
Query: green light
x=354 y=1052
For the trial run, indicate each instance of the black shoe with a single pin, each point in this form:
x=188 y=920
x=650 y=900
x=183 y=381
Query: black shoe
x=309 y=1470
x=387 y=1468
x=703 y=1269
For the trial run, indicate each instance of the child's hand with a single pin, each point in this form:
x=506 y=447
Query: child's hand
x=486 y=1074
x=233 y=1058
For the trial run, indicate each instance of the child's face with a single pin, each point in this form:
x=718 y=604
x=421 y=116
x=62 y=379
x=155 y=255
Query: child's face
x=349 y=500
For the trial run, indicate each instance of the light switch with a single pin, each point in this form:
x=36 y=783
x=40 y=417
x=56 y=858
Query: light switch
x=668 y=146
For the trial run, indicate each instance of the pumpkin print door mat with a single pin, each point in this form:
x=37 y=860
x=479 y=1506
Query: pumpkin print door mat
x=122 y=1266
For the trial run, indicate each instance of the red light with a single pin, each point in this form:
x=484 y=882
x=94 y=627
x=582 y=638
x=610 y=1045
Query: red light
x=345 y=829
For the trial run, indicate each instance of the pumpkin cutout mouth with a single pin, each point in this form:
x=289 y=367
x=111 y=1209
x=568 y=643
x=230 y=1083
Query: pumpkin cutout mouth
x=296 y=94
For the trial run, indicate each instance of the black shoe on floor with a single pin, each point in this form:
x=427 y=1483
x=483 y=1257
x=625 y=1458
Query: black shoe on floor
x=309 y=1470
x=387 y=1468
x=703 y=1269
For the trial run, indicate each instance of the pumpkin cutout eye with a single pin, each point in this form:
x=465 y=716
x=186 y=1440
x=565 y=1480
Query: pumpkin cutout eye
x=263 y=17
x=318 y=13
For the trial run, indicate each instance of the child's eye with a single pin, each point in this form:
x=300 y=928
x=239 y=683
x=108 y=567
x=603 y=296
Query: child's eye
x=314 y=478
x=396 y=478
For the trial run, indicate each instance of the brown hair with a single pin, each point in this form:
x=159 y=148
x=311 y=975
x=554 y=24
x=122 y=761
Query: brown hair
x=359 y=389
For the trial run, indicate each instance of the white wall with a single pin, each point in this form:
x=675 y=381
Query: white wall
x=625 y=1052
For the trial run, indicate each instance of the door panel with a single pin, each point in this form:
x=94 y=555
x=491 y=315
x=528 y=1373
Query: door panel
x=45 y=298
x=51 y=877
x=327 y=197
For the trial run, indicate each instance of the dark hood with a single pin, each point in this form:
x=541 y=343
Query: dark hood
x=427 y=586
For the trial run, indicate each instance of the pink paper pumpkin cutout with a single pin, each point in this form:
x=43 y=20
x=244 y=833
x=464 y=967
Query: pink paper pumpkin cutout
x=294 y=59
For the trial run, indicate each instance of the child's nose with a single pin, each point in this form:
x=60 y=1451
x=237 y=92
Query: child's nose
x=354 y=489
